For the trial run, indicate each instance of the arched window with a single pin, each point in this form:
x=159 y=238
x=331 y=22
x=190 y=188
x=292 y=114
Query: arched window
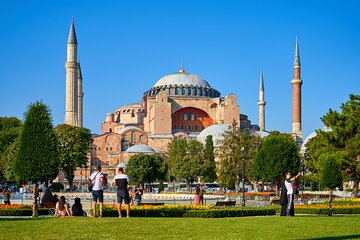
x=110 y=130
x=189 y=91
x=182 y=126
x=182 y=91
x=188 y=116
x=189 y=127
x=141 y=139
x=133 y=137
x=195 y=116
x=174 y=126
x=196 y=127
x=176 y=91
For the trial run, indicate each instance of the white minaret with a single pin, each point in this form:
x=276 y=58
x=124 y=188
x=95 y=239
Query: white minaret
x=261 y=103
x=80 y=96
x=72 y=68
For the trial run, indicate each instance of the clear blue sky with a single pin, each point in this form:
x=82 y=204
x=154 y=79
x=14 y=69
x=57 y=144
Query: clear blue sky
x=126 y=46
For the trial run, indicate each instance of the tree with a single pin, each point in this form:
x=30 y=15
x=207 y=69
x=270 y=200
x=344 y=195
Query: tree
x=9 y=132
x=345 y=135
x=209 y=171
x=144 y=168
x=37 y=156
x=230 y=155
x=186 y=159
x=278 y=154
x=74 y=146
x=330 y=175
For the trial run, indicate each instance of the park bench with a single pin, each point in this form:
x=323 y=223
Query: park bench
x=151 y=204
x=225 y=203
x=50 y=206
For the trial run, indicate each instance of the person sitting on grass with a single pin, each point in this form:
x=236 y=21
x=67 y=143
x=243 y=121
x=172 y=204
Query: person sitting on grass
x=77 y=209
x=61 y=208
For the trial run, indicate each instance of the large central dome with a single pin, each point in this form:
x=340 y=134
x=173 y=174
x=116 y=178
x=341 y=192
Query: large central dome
x=181 y=78
x=183 y=84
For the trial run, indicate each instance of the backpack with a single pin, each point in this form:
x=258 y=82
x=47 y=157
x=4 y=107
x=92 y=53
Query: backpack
x=105 y=181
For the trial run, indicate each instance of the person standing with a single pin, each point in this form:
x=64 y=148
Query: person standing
x=289 y=181
x=122 y=181
x=137 y=196
x=97 y=180
x=6 y=196
x=197 y=195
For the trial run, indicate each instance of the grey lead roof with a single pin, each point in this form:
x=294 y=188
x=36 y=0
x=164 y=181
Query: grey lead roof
x=261 y=81
x=297 y=55
x=72 y=35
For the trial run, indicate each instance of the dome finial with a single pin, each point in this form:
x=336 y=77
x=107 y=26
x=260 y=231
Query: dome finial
x=182 y=67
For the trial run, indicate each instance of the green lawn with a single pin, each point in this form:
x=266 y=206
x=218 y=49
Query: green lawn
x=274 y=227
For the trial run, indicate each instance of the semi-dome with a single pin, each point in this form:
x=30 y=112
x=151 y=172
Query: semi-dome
x=183 y=84
x=216 y=131
x=140 y=149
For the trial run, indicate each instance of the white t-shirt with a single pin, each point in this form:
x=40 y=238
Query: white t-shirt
x=97 y=185
x=289 y=187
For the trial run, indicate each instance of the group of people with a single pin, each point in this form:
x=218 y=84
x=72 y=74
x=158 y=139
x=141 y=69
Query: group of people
x=124 y=193
x=62 y=208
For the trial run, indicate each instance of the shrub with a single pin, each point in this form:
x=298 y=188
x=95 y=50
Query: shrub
x=56 y=187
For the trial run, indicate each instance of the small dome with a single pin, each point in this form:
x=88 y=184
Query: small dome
x=181 y=78
x=140 y=149
x=109 y=114
x=308 y=138
x=261 y=134
x=216 y=131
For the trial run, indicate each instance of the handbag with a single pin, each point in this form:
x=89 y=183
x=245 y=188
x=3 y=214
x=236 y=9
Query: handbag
x=91 y=185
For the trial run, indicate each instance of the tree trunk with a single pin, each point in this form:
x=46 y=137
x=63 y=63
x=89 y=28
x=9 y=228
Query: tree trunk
x=35 y=198
x=277 y=183
x=330 y=202
x=356 y=184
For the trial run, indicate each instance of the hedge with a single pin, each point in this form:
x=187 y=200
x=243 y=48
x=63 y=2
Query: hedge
x=22 y=212
x=210 y=213
x=322 y=211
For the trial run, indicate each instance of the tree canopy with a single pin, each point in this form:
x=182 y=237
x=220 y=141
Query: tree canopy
x=278 y=154
x=345 y=135
x=74 y=146
x=145 y=168
x=230 y=155
x=37 y=156
x=209 y=172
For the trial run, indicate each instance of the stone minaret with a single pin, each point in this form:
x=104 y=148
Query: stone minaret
x=80 y=95
x=296 y=95
x=261 y=104
x=72 y=68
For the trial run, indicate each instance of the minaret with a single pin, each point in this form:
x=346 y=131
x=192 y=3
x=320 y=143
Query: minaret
x=80 y=96
x=71 y=67
x=261 y=103
x=296 y=95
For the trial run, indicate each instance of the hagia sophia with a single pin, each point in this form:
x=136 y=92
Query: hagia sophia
x=178 y=105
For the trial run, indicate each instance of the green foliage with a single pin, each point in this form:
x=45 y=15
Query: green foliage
x=209 y=171
x=9 y=132
x=345 y=135
x=330 y=174
x=278 y=154
x=22 y=212
x=56 y=187
x=186 y=159
x=74 y=146
x=145 y=168
x=230 y=155
x=37 y=157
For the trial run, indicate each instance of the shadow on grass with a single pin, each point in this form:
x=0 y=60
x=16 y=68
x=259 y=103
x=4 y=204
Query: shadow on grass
x=357 y=236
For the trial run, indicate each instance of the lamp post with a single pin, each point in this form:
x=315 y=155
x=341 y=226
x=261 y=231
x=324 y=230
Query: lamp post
x=243 y=176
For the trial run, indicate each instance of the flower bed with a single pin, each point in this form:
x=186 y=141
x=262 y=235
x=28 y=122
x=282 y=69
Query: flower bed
x=20 y=210
x=193 y=211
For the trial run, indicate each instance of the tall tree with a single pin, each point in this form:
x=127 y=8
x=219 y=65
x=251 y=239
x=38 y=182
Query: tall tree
x=278 y=154
x=145 y=168
x=9 y=132
x=74 y=146
x=231 y=156
x=209 y=171
x=37 y=156
x=186 y=159
x=345 y=135
x=330 y=175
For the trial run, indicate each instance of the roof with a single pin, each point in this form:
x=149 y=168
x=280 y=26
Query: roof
x=216 y=131
x=72 y=35
x=140 y=149
x=128 y=128
x=181 y=78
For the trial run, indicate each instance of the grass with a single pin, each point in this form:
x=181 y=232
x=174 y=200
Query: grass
x=272 y=227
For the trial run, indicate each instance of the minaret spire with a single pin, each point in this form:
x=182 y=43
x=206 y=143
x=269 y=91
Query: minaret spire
x=261 y=103
x=296 y=83
x=72 y=69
